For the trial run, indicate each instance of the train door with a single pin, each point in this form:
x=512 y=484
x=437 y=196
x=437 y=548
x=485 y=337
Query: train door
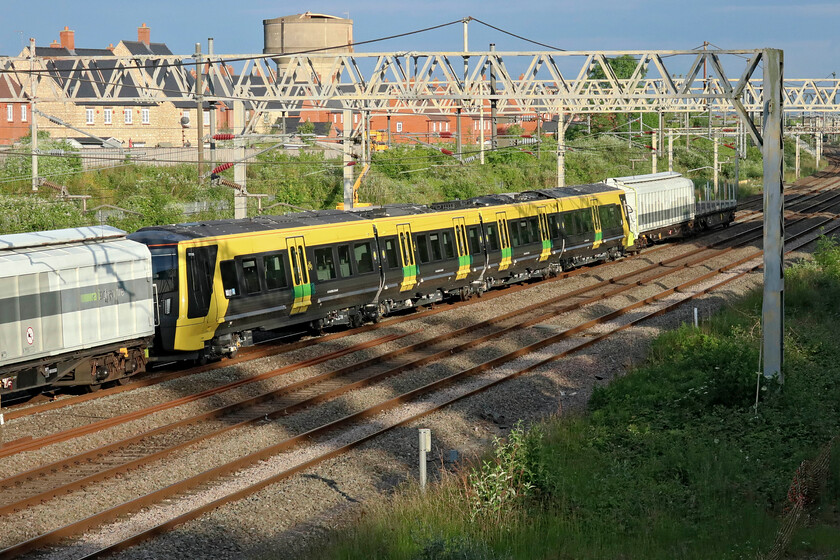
x=464 y=259
x=300 y=275
x=545 y=234
x=596 y=221
x=409 y=264
x=504 y=241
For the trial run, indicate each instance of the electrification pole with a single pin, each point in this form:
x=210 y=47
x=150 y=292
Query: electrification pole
x=240 y=198
x=773 y=306
x=33 y=125
x=199 y=99
x=212 y=110
x=493 y=122
x=561 y=149
x=347 y=117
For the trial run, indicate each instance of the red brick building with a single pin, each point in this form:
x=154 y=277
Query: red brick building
x=14 y=117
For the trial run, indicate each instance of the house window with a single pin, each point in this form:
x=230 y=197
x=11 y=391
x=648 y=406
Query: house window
x=399 y=126
x=107 y=114
x=128 y=115
x=24 y=114
x=88 y=116
x=447 y=126
x=10 y=112
x=144 y=116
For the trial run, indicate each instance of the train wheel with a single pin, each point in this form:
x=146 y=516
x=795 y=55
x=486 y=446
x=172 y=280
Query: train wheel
x=92 y=388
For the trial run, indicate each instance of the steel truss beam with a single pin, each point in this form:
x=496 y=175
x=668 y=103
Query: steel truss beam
x=429 y=82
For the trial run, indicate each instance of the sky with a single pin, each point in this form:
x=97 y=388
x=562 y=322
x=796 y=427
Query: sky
x=806 y=31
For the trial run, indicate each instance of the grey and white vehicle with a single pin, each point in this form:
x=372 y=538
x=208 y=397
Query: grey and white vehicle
x=76 y=308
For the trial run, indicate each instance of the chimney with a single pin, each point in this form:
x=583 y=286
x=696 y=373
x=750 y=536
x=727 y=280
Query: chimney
x=55 y=45
x=111 y=47
x=144 y=34
x=68 y=41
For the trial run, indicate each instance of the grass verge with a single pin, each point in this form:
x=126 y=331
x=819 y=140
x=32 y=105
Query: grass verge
x=670 y=461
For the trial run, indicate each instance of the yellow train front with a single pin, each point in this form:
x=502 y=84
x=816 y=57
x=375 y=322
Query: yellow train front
x=218 y=281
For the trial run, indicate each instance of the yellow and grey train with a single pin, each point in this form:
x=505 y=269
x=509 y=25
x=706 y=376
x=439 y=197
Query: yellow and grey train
x=218 y=281
x=85 y=306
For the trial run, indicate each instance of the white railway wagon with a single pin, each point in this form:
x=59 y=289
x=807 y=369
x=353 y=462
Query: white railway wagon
x=656 y=202
x=76 y=307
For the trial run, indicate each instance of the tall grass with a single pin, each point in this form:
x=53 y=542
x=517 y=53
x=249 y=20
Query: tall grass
x=670 y=461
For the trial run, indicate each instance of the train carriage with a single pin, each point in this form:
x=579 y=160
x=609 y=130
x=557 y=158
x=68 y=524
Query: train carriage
x=76 y=308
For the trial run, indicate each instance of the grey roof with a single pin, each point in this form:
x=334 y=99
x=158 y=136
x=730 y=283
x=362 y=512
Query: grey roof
x=59 y=237
x=140 y=48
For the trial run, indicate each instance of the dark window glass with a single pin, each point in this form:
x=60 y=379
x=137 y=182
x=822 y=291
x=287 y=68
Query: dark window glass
x=295 y=265
x=458 y=243
x=422 y=248
x=515 y=238
x=569 y=224
x=364 y=259
x=201 y=264
x=344 y=259
x=504 y=234
x=554 y=227
x=434 y=243
x=492 y=237
x=304 y=270
x=534 y=230
x=251 y=276
x=324 y=264
x=448 y=245
x=165 y=268
x=390 y=254
x=475 y=242
x=275 y=272
x=524 y=232
x=229 y=280
x=586 y=220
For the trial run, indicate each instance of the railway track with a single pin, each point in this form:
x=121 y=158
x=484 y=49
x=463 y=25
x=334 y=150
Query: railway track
x=339 y=382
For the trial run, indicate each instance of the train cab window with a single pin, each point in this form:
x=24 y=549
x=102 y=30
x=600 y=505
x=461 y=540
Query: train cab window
x=553 y=227
x=324 y=264
x=344 y=261
x=534 y=230
x=391 y=256
x=422 y=248
x=474 y=240
x=275 y=272
x=448 y=245
x=610 y=216
x=364 y=258
x=492 y=237
x=229 y=280
x=165 y=268
x=251 y=276
x=434 y=243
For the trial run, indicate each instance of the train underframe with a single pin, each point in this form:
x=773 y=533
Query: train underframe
x=90 y=368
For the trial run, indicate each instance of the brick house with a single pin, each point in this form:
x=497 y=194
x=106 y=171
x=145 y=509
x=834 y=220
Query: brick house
x=14 y=116
x=132 y=122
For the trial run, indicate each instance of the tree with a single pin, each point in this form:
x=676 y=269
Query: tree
x=623 y=67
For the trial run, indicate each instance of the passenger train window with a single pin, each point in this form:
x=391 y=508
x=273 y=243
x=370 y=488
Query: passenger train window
x=569 y=223
x=524 y=232
x=344 y=261
x=275 y=272
x=434 y=243
x=422 y=248
x=324 y=264
x=585 y=217
x=515 y=238
x=251 y=276
x=554 y=227
x=448 y=246
x=475 y=241
x=364 y=258
x=391 y=256
x=229 y=280
x=534 y=230
x=492 y=237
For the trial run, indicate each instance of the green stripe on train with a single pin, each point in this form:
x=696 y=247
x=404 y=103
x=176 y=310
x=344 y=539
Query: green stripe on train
x=599 y=236
x=409 y=271
x=507 y=253
x=304 y=290
x=466 y=260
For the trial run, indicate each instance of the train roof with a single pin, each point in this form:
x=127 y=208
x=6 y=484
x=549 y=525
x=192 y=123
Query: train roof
x=565 y=192
x=59 y=237
x=212 y=228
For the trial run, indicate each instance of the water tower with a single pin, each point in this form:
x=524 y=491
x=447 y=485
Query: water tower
x=307 y=32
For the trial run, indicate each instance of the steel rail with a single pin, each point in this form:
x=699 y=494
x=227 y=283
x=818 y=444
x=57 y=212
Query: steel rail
x=181 y=487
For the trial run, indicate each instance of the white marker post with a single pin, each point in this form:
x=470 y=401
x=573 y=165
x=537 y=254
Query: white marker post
x=425 y=447
x=696 y=319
